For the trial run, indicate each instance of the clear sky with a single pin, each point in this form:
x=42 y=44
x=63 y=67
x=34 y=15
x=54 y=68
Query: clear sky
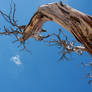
x=41 y=71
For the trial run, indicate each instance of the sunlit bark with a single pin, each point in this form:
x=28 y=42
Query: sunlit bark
x=77 y=23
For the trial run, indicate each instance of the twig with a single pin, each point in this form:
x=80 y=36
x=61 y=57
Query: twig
x=67 y=46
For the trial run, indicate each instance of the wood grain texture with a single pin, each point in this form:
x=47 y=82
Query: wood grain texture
x=74 y=21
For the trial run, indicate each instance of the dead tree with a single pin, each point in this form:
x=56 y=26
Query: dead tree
x=76 y=22
x=65 y=46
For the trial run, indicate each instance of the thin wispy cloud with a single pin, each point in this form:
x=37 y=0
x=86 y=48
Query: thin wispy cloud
x=16 y=60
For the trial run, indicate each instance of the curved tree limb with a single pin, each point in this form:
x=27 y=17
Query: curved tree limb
x=76 y=22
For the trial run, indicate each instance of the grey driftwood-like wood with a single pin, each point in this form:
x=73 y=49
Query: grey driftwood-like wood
x=74 y=21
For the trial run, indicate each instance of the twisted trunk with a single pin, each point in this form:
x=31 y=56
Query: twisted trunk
x=76 y=22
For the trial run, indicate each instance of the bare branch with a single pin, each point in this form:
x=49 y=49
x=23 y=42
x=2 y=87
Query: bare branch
x=66 y=46
x=14 y=28
x=77 y=23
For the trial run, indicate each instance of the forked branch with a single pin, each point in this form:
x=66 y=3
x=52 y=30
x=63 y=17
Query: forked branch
x=77 y=23
x=14 y=28
x=64 y=44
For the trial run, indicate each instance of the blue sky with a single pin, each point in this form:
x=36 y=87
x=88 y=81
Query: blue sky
x=41 y=71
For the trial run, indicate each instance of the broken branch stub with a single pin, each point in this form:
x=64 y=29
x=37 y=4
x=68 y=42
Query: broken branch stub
x=77 y=23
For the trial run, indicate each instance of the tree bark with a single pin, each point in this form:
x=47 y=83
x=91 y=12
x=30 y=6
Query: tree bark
x=74 y=21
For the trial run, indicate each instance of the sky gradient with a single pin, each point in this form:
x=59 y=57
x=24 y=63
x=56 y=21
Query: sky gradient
x=41 y=71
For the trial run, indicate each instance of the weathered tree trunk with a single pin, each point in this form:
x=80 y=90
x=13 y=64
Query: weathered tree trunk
x=76 y=22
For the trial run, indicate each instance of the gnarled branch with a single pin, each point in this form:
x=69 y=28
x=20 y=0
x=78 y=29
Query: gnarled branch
x=65 y=46
x=77 y=23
